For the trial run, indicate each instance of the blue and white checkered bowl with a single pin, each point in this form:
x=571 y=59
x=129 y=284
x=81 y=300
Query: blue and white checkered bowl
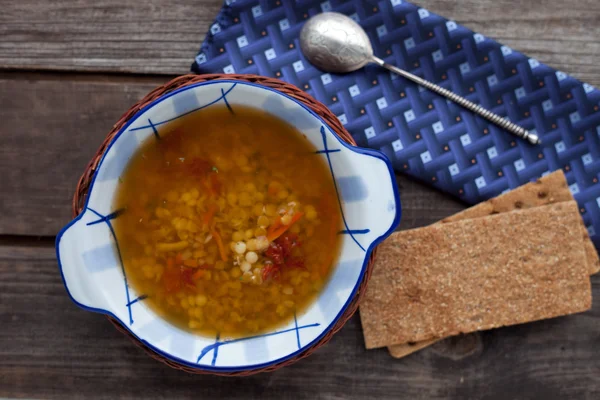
x=89 y=256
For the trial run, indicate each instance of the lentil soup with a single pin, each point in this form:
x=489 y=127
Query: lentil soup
x=230 y=222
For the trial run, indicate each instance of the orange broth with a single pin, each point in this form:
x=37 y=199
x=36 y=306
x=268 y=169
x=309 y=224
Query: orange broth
x=231 y=222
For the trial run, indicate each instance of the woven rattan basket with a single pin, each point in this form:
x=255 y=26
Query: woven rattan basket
x=290 y=90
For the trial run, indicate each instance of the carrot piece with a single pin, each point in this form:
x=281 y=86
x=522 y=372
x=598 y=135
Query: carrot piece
x=170 y=263
x=210 y=213
x=296 y=217
x=219 y=242
x=171 y=276
x=191 y=263
x=278 y=228
x=212 y=184
x=215 y=184
x=273 y=227
x=207 y=186
x=274 y=188
x=178 y=259
x=198 y=274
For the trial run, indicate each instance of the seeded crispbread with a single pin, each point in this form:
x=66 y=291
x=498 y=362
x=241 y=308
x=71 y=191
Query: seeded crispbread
x=552 y=188
x=477 y=274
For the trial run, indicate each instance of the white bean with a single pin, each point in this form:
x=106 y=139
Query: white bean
x=240 y=247
x=251 y=257
x=246 y=266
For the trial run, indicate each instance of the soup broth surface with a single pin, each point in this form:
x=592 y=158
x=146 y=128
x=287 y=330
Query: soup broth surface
x=230 y=222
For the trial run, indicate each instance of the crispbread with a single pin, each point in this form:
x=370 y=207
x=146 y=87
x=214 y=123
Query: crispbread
x=552 y=188
x=404 y=349
x=477 y=274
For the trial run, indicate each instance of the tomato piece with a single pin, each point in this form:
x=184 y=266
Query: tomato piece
x=288 y=242
x=187 y=276
x=177 y=275
x=280 y=252
x=199 y=167
x=215 y=183
x=295 y=262
x=275 y=253
x=171 y=279
x=270 y=272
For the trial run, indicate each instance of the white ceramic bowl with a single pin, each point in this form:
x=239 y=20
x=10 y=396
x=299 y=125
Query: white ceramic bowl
x=88 y=251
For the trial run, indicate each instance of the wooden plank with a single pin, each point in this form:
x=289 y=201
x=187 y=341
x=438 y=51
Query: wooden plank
x=156 y=36
x=43 y=153
x=49 y=348
x=50 y=129
x=161 y=37
x=423 y=205
x=563 y=35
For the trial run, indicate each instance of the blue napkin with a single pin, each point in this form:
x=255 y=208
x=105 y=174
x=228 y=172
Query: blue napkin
x=424 y=135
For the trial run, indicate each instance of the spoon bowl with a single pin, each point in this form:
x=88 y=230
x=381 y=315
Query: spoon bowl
x=335 y=43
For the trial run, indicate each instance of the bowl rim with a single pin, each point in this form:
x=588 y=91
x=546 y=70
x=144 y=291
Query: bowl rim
x=360 y=150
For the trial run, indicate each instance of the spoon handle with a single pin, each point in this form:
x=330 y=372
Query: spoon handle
x=469 y=105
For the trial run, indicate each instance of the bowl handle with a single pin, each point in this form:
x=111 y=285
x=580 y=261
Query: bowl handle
x=87 y=255
x=386 y=206
x=370 y=196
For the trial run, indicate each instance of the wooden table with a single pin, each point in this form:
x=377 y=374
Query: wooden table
x=68 y=69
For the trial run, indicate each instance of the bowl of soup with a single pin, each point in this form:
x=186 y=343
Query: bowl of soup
x=227 y=227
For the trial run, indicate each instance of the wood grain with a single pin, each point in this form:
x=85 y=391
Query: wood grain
x=51 y=127
x=564 y=35
x=155 y=36
x=43 y=153
x=49 y=348
x=160 y=36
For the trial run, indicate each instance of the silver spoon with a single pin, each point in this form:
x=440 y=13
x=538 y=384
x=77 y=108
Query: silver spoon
x=335 y=43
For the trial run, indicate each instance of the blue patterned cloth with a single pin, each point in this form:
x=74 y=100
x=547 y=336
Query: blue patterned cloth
x=424 y=135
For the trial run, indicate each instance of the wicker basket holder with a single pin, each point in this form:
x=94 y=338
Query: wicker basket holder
x=320 y=109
